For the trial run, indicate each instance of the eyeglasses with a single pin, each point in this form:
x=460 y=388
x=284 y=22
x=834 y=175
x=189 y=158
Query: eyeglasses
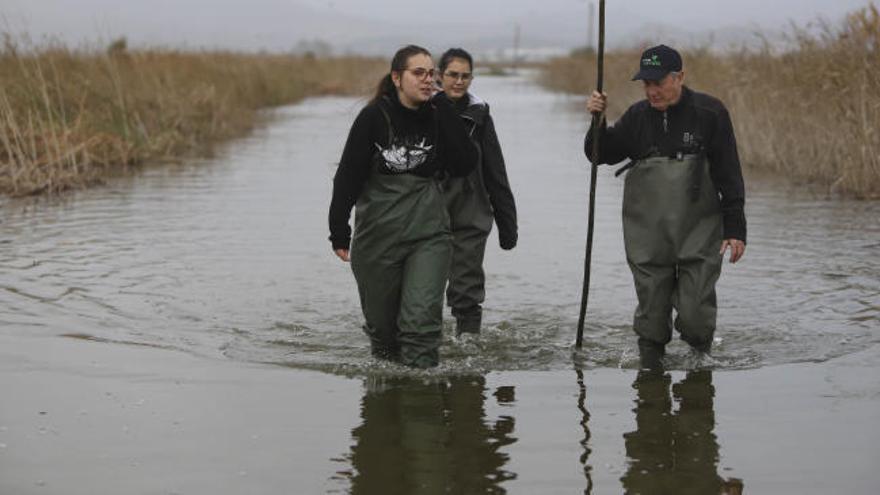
x=458 y=76
x=422 y=73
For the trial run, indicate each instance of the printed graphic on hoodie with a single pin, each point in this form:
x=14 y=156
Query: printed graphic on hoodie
x=404 y=155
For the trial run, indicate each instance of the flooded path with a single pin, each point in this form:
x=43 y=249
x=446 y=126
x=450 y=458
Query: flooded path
x=227 y=258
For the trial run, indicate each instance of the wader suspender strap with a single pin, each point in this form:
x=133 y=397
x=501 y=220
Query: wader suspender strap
x=626 y=166
x=697 y=179
x=387 y=123
x=440 y=174
x=698 y=172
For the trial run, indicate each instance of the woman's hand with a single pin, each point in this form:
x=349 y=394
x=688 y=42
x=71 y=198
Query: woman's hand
x=737 y=249
x=342 y=254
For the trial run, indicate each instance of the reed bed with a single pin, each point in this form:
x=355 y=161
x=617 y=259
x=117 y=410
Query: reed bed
x=811 y=112
x=70 y=117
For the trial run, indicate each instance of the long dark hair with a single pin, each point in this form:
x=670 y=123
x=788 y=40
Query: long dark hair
x=455 y=53
x=398 y=64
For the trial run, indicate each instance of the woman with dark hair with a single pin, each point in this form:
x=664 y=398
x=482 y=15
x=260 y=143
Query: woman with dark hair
x=475 y=200
x=400 y=148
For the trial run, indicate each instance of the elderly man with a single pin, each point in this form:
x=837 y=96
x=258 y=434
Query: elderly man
x=682 y=201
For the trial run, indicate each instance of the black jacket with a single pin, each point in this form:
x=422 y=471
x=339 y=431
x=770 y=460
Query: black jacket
x=435 y=123
x=481 y=128
x=698 y=122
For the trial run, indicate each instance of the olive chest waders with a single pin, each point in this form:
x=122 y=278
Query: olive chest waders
x=471 y=216
x=400 y=258
x=672 y=232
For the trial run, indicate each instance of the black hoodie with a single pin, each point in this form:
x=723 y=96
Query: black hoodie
x=481 y=128
x=435 y=123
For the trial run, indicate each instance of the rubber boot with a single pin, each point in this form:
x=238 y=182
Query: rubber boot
x=702 y=347
x=468 y=321
x=384 y=349
x=651 y=355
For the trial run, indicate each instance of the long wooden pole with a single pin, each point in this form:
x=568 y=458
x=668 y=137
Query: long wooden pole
x=594 y=129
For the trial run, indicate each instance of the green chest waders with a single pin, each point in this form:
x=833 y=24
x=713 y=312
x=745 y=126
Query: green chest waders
x=471 y=215
x=672 y=232
x=400 y=258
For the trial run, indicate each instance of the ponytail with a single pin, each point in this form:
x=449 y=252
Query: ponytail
x=385 y=87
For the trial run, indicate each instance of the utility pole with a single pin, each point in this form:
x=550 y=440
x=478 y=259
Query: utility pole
x=515 y=47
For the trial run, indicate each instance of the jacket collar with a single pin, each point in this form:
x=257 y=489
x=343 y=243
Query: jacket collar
x=475 y=109
x=683 y=101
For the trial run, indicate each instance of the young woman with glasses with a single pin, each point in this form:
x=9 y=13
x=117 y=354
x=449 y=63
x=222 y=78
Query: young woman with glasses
x=475 y=200
x=400 y=148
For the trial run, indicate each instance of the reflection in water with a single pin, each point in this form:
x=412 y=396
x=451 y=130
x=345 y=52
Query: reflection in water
x=585 y=442
x=674 y=451
x=429 y=437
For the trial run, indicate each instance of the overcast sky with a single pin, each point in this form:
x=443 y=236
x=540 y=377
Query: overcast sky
x=374 y=26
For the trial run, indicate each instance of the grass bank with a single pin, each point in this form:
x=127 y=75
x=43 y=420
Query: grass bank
x=811 y=113
x=70 y=117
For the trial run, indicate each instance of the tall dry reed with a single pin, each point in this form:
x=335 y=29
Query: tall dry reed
x=811 y=113
x=71 y=117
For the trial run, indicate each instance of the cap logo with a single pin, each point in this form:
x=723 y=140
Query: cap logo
x=653 y=61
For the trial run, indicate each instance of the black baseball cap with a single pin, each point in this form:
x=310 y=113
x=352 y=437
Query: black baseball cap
x=656 y=62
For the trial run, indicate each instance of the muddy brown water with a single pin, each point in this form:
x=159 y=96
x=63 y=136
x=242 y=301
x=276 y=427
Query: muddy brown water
x=227 y=259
